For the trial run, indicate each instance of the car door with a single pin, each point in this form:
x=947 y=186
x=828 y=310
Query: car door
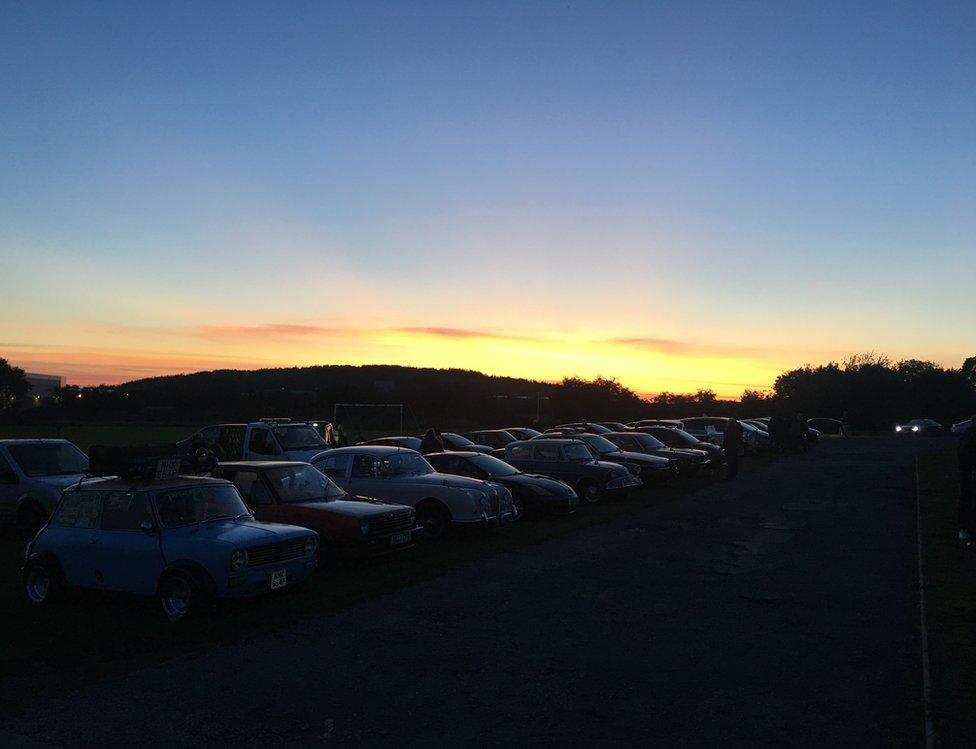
x=547 y=461
x=364 y=478
x=520 y=456
x=260 y=444
x=71 y=535
x=126 y=553
x=336 y=467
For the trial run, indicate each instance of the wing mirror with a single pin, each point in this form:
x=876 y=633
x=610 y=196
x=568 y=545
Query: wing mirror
x=147 y=527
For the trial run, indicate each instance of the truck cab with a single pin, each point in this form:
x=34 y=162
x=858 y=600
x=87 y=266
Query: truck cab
x=265 y=439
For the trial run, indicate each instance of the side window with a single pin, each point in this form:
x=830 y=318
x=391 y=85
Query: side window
x=252 y=489
x=335 y=466
x=547 y=452
x=79 y=510
x=260 y=442
x=364 y=467
x=461 y=467
x=124 y=511
x=230 y=443
x=520 y=452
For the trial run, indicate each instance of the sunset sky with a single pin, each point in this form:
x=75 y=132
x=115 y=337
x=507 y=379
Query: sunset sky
x=680 y=195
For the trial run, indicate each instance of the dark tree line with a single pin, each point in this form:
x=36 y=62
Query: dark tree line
x=871 y=391
x=874 y=392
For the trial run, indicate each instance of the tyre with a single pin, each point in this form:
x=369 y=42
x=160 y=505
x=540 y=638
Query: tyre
x=178 y=596
x=434 y=518
x=30 y=519
x=42 y=583
x=589 y=492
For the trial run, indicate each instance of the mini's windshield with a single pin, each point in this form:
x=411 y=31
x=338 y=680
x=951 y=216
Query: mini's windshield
x=601 y=444
x=406 y=464
x=456 y=440
x=299 y=437
x=577 y=451
x=49 y=459
x=689 y=439
x=303 y=484
x=651 y=443
x=493 y=466
x=198 y=504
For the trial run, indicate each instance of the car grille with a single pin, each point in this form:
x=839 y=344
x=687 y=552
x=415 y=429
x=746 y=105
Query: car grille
x=293 y=549
x=390 y=522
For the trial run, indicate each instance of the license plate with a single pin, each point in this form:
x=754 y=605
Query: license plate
x=279 y=579
x=168 y=468
x=399 y=538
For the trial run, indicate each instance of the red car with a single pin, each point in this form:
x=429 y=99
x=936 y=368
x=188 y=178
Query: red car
x=298 y=494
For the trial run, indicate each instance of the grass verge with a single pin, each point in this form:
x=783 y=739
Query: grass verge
x=950 y=572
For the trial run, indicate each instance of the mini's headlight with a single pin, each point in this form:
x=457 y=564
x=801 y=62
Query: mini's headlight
x=238 y=560
x=915 y=429
x=311 y=546
x=364 y=527
x=898 y=428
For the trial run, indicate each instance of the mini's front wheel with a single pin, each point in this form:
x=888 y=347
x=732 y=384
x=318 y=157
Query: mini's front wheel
x=177 y=596
x=41 y=584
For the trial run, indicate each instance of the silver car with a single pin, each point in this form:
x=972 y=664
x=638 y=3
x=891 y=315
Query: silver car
x=395 y=474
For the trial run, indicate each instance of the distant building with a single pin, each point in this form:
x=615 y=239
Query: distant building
x=44 y=388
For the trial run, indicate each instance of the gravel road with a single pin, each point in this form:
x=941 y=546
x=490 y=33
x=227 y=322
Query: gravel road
x=777 y=609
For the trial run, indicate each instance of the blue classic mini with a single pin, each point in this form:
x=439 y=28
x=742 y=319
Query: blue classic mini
x=181 y=538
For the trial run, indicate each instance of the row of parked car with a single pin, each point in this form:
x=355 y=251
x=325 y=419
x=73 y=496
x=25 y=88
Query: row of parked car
x=276 y=497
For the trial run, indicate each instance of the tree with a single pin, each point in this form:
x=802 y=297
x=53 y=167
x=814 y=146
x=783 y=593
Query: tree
x=13 y=384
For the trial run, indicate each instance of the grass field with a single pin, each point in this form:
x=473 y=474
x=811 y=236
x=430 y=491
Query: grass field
x=91 y=636
x=86 y=435
x=950 y=570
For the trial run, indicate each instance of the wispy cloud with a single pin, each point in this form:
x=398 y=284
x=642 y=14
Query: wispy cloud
x=271 y=330
x=463 y=333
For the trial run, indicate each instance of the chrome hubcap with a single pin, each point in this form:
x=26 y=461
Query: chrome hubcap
x=38 y=584
x=176 y=599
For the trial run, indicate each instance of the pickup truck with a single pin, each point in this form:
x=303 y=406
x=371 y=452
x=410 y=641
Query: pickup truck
x=267 y=439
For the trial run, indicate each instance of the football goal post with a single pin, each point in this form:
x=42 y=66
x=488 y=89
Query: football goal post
x=368 y=420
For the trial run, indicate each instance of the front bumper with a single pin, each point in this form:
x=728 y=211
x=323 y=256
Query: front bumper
x=256 y=581
x=386 y=543
x=623 y=484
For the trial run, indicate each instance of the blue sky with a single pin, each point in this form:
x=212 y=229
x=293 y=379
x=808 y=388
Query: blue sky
x=745 y=186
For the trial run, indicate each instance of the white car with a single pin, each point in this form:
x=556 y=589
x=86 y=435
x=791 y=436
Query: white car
x=33 y=473
x=402 y=476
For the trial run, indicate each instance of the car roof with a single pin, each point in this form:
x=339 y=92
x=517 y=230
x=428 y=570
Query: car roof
x=368 y=449
x=34 y=441
x=260 y=464
x=548 y=440
x=122 y=484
